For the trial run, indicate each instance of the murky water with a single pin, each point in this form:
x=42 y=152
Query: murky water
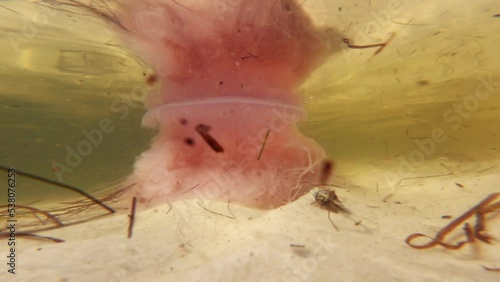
x=58 y=83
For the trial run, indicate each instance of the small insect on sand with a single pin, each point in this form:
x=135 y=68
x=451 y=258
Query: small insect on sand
x=328 y=200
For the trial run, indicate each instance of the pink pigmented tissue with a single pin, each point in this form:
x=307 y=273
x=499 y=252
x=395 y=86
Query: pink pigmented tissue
x=226 y=107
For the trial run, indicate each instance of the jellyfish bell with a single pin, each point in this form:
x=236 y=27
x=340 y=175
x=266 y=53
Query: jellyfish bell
x=226 y=104
x=227 y=78
x=237 y=76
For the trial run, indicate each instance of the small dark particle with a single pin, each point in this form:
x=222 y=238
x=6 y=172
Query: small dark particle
x=300 y=250
x=250 y=56
x=183 y=121
x=398 y=202
x=151 y=79
x=326 y=172
x=459 y=185
x=203 y=130
x=496 y=16
x=358 y=222
x=340 y=9
x=286 y=7
x=189 y=141
x=446 y=216
x=423 y=82
x=221 y=82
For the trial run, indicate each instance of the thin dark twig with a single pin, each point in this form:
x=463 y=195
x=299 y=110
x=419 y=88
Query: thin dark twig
x=496 y=269
x=380 y=45
x=66 y=224
x=62 y=185
x=10 y=10
x=250 y=56
x=331 y=221
x=131 y=217
x=190 y=189
x=263 y=144
x=203 y=130
x=229 y=210
x=478 y=210
x=107 y=15
x=217 y=213
x=298 y=7
x=186 y=8
x=354 y=46
x=35 y=211
x=33 y=236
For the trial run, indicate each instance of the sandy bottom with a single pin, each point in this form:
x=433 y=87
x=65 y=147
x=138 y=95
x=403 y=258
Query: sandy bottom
x=185 y=242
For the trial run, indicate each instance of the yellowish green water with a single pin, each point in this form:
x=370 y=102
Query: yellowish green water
x=60 y=75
